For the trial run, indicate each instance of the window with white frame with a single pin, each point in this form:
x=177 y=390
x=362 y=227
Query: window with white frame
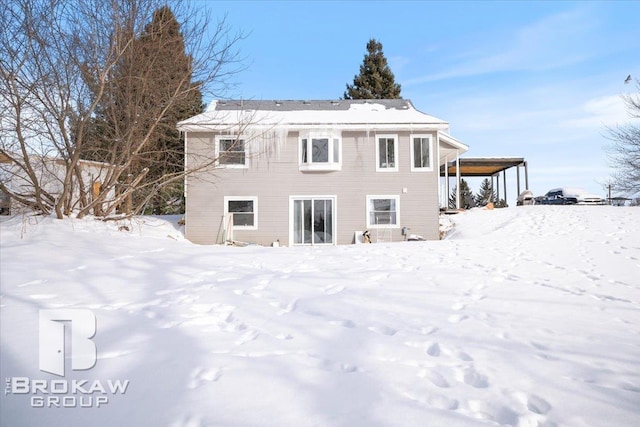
x=231 y=151
x=383 y=211
x=243 y=211
x=421 y=153
x=320 y=151
x=386 y=153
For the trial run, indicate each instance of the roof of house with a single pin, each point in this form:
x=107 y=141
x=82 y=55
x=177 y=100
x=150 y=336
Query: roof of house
x=360 y=113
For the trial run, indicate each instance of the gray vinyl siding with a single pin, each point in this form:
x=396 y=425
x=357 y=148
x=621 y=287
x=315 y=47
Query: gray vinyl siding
x=275 y=177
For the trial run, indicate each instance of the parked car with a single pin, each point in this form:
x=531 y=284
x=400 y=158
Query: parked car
x=571 y=196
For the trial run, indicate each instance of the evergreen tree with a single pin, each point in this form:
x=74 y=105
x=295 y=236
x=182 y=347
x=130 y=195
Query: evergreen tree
x=467 y=200
x=375 y=81
x=486 y=194
x=142 y=91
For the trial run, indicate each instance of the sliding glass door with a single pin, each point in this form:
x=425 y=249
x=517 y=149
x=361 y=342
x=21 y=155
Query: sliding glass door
x=313 y=222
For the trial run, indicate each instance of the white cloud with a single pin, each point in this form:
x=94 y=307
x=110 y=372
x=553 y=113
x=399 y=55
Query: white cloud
x=600 y=112
x=555 y=41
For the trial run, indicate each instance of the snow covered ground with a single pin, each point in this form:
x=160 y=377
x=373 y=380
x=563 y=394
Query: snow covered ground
x=524 y=316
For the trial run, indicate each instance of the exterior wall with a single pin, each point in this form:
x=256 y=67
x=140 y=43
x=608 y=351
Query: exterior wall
x=274 y=177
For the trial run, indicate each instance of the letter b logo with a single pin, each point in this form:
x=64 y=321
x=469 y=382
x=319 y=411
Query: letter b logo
x=52 y=340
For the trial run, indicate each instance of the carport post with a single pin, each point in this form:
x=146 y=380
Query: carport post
x=446 y=181
x=526 y=176
x=457 y=180
x=504 y=178
x=518 y=182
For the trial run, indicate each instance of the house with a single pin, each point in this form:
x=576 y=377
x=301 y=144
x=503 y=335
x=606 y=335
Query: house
x=314 y=172
x=49 y=172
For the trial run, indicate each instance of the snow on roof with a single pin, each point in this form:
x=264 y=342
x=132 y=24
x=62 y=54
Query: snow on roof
x=293 y=113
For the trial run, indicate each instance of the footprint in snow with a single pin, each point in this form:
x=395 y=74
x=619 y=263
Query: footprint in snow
x=329 y=365
x=538 y=405
x=200 y=376
x=428 y=330
x=456 y=318
x=262 y=284
x=285 y=307
x=433 y=350
x=246 y=337
x=492 y=411
x=464 y=356
x=384 y=330
x=443 y=402
x=471 y=377
x=188 y=421
x=344 y=323
x=458 y=306
x=436 y=378
x=331 y=290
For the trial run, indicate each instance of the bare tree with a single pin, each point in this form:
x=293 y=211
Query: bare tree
x=57 y=65
x=624 y=150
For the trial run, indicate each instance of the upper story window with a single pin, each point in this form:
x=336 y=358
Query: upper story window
x=231 y=151
x=320 y=151
x=386 y=153
x=421 y=158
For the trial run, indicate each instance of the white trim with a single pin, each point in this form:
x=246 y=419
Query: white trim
x=428 y=168
x=395 y=152
x=243 y=138
x=390 y=197
x=351 y=126
x=334 y=217
x=455 y=143
x=330 y=165
x=254 y=199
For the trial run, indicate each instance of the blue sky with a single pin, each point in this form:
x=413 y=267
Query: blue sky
x=538 y=80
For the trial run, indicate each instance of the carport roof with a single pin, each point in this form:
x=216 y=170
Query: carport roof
x=482 y=166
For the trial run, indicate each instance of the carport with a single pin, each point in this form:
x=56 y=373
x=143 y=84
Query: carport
x=487 y=167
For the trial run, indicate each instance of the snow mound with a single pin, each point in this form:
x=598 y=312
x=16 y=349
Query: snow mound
x=525 y=316
x=26 y=226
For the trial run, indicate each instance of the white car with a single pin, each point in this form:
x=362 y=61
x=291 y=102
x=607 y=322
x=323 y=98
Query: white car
x=571 y=196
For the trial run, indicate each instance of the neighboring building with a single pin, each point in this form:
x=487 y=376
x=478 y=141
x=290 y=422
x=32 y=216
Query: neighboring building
x=50 y=173
x=314 y=172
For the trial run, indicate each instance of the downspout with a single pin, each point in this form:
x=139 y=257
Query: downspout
x=458 y=179
x=438 y=164
x=186 y=174
x=446 y=181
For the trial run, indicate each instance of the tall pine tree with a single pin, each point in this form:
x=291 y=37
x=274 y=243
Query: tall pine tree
x=375 y=81
x=486 y=194
x=467 y=200
x=142 y=98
